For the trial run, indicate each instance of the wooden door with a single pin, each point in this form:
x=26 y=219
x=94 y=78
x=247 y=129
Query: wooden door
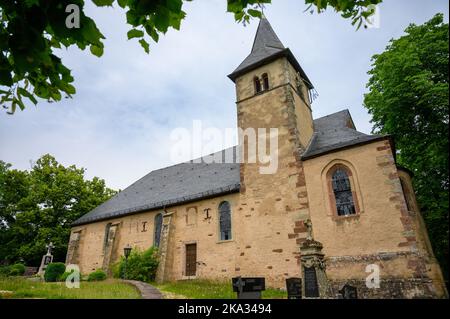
x=191 y=259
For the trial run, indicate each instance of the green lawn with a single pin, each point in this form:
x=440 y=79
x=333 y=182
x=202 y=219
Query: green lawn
x=108 y=289
x=206 y=289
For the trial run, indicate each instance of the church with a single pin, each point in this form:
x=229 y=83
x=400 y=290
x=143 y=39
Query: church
x=337 y=211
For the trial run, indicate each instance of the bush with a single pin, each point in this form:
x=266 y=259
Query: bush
x=12 y=270
x=141 y=266
x=97 y=275
x=4 y=270
x=17 y=270
x=54 y=271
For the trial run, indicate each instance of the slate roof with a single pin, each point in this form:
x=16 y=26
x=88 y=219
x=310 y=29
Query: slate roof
x=267 y=47
x=176 y=184
x=333 y=132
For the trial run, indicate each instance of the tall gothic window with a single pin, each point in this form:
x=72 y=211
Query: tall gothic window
x=158 y=226
x=225 y=221
x=343 y=193
x=257 y=84
x=265 y=79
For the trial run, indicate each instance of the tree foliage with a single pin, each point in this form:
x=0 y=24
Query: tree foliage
x=31 y=31
x=38 y=206
x=409 y=99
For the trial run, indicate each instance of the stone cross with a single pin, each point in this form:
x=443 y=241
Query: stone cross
x=49 y=248
x=239 y=284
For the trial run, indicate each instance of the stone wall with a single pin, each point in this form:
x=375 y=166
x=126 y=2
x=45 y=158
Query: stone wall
x=383 y=232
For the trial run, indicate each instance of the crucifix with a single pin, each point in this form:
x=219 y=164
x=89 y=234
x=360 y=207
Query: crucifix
x=49 y=248
x=239 y=284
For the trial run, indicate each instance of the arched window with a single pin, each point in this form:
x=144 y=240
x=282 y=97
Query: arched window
x=257 y=84
x=225 y=221
x=343 y=195
x=265 y=79
x=157 y=234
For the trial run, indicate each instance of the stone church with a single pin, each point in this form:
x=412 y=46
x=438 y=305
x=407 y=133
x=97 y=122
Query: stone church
x=337 y=210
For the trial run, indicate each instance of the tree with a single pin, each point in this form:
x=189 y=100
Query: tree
x=39 y=206
x=30 y=31
x=408 y=98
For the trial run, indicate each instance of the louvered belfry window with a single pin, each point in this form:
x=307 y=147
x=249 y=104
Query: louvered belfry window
x=225 y=221
x=343 y=193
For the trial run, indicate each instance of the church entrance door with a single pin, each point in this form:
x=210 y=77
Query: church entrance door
x=191 y=259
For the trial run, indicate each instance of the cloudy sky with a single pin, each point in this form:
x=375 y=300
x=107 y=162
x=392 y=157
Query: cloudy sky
x=118 y=125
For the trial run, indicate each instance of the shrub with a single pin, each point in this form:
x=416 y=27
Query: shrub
x=140 y=265
x=4 y=270
x=54 y=271
x=17 y=270
x=97 y=275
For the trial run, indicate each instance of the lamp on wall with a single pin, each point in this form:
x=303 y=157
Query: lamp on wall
x=126 y=252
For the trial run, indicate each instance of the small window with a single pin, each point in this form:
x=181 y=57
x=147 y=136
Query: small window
x=343 y=193
x=265 y=79
x=257 y=84
x=157 y=234
x=225 y=221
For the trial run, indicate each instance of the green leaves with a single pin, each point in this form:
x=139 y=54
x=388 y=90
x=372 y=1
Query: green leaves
x=97 y=51
x=145 y=45
x=102 y=3
x=133 y=33
x=357 y=11
x=39 y=205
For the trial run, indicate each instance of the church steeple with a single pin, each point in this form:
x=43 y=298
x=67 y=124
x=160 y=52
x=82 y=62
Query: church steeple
x=266 y=48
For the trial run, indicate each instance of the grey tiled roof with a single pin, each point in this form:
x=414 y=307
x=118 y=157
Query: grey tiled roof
x=176 y=184
x=266 y=44
x=333 y=132
x=267 y=47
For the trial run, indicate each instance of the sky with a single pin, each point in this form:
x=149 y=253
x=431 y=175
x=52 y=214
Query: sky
x=118 y=125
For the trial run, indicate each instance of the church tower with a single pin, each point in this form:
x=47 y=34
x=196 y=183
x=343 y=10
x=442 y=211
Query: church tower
x=273 y=93
x=269 y=72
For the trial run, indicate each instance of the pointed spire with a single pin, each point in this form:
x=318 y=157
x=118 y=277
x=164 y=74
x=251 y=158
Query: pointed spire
x=266 y=48
x=265 y=45
x=266 y=39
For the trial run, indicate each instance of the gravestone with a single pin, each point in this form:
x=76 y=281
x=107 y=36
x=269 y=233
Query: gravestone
x=294 y=288
x=249 y=288
x=311 y=285
x=46 y=259
x=30 y=271
x=349 y=292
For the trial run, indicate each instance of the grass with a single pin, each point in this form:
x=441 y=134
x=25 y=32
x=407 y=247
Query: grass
x=108 y=289
x=207 y=289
